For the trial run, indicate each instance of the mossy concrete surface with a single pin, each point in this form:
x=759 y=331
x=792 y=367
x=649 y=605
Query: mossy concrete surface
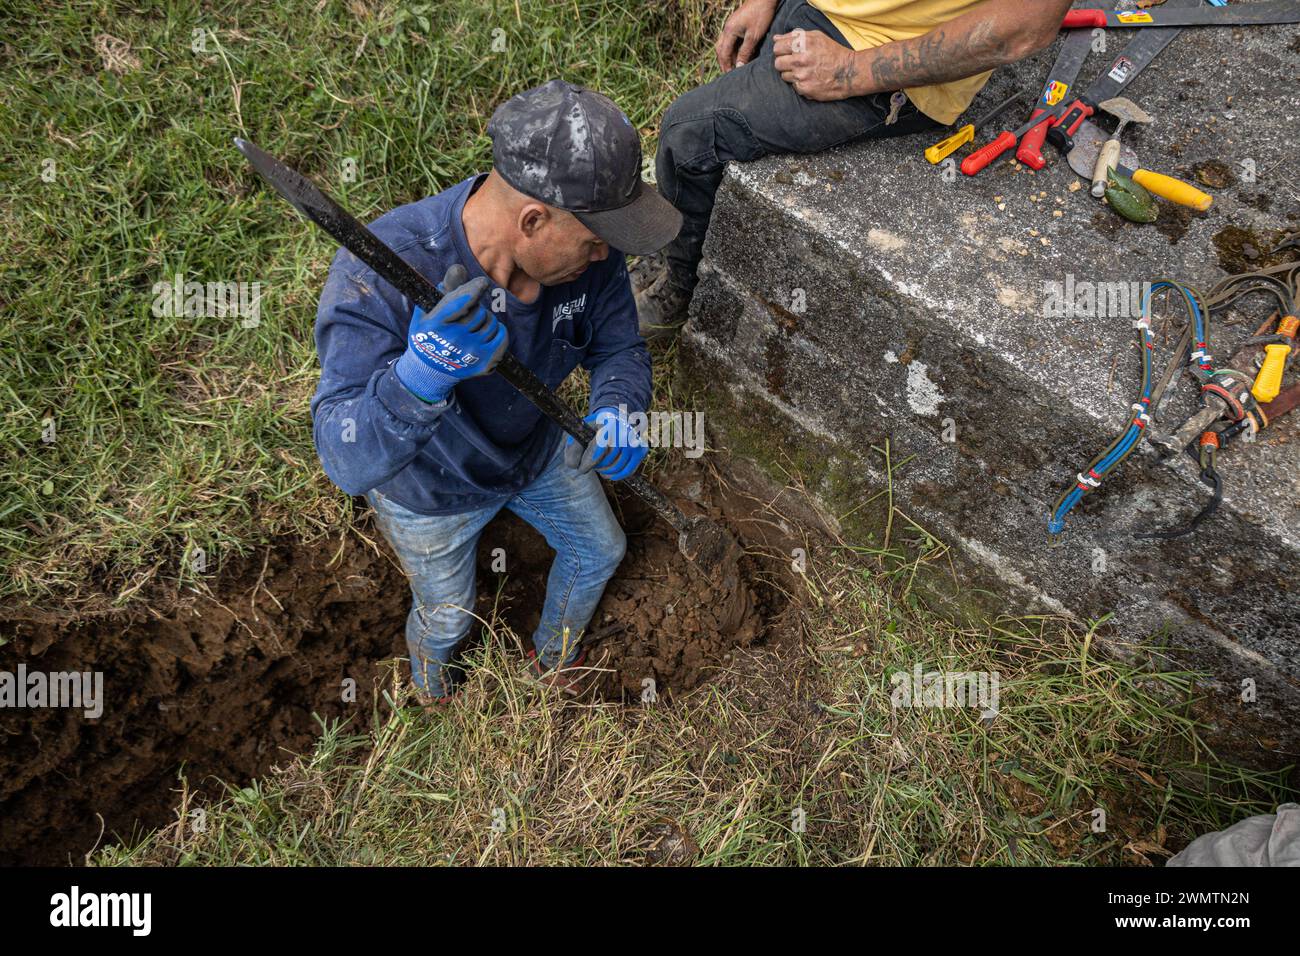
x=863 y=295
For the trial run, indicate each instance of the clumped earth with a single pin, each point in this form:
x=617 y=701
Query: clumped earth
x=677 y=622
x=226 y=685
x=664 y=624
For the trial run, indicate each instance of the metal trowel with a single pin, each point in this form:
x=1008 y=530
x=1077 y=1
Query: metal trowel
x=1088 y=143
x=1126 y=111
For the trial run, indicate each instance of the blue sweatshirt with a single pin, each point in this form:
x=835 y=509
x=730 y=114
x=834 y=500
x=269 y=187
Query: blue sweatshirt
x=487 y=441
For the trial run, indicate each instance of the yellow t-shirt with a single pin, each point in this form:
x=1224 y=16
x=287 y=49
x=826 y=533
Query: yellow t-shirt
x=872 y=23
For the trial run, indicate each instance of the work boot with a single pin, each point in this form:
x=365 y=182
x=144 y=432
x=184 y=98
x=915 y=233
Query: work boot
x=645 y=269
x=445 y=686
x=572 y=678
x=661 y=306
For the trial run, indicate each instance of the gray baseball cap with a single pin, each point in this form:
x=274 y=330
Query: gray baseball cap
x=572 y=148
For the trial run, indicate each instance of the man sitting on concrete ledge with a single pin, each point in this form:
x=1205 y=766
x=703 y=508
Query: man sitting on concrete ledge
x=800 y=77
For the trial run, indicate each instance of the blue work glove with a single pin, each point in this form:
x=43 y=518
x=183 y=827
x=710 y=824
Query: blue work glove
x=615 y=452
x=457 y=340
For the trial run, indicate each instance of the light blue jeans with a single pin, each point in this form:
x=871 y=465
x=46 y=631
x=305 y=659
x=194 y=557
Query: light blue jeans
x=438 y=551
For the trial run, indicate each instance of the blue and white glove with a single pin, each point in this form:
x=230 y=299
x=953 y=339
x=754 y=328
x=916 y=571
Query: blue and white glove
x=459 y=339
x=615 y=452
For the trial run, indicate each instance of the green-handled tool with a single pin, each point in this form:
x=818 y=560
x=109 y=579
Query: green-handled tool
x=1088 y=142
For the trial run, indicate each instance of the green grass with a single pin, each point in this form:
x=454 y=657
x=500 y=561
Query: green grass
x=511 y=775
x=172 y=433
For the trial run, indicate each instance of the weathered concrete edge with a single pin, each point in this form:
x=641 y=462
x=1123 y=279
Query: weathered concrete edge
x=1071 y=431
x=1226 y=655
x=1268 y=737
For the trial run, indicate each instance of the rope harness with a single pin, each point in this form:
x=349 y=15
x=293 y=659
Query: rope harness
x=1229 y=406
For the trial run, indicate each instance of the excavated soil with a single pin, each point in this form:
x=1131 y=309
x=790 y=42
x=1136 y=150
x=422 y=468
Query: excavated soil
x=224 y=685
x=228 y=684
x=678 y=624
x=663 y=619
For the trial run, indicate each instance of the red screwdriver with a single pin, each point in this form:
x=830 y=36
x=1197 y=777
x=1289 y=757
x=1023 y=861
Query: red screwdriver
x=977 y=160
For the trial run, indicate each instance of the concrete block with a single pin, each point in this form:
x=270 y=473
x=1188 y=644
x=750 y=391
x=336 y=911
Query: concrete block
x=862 y=294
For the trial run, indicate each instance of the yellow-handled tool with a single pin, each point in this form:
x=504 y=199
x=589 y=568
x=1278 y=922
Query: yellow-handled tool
x=1167 y=187
x=1268 y=383
x=1089 y=141
x=946 y=147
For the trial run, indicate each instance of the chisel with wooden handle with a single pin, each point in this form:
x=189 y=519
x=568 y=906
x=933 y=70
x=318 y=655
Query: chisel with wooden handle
x=1088 y=140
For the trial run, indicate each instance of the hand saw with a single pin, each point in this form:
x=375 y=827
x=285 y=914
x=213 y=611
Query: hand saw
x=1059 y=82
x=1050 y=104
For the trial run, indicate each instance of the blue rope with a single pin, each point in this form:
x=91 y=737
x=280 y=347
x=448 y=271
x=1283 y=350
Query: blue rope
x=1119 y=449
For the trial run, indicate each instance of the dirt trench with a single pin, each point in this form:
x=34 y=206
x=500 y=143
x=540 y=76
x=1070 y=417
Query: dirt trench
x=222 y=685
x=662 y=619
x=229 y=684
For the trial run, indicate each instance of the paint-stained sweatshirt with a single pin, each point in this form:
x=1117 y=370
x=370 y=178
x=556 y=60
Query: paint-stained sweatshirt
x=486 y=441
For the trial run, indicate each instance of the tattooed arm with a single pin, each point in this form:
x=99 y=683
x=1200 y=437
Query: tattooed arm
x=996 y=33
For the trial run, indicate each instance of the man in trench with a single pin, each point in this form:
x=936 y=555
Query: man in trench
x=801 y=77
x=531 y=260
